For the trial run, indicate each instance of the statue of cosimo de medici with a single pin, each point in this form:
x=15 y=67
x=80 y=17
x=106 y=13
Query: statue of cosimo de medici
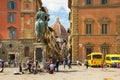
x=42 y=18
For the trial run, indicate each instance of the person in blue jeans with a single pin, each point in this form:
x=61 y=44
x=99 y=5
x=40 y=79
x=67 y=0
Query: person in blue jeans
x=57 y=65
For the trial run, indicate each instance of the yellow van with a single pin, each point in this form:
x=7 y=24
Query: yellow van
x=95 y=59
x=111 y=59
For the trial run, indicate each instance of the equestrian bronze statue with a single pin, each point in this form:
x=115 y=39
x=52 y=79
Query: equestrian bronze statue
x=42 y=18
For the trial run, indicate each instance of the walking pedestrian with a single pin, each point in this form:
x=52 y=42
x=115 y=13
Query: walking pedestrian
x=57 y=65
x=86 y=63
x=52 y=66
x=69 y=64
x=65 y=62
x=36 y=64
x=3 y=66
x=102 y=64
x=20 y=67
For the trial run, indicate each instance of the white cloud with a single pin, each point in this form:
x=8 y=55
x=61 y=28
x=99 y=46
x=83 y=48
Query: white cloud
x=56 y=5
x=57 y=8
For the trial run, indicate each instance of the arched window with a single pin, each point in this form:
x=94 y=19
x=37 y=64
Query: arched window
x=12 y=32
x=26 y=52
x=12 y=5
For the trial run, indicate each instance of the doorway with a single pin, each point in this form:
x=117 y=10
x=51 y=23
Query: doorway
x=88 y=50
x=11 y=57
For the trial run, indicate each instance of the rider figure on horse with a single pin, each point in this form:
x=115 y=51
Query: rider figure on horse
x=42 y=19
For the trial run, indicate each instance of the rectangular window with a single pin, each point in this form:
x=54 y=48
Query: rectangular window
x=105 y=50
x=88 y=29
x=97 y=56
x=11 y=5
x=104 y=1
x=12 y=34
x=88 y=2
x=11 y=17
x=104 y=29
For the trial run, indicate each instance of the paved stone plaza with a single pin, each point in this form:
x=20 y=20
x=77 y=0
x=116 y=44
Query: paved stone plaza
x=76 y=73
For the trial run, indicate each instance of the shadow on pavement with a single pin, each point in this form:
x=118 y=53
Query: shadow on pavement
x=68 y=71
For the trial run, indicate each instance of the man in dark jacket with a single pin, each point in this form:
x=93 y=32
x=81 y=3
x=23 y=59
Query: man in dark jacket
x=57 y=65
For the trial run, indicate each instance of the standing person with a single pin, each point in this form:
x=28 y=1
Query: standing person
x=57 y=65
x=102 y=64
x=36 y=64
x=64 y=62
x=47 y=65
x=78 y=62
x=86 y=63
x=69 y=64
x=3 y=66
x=20 y=67
x=51 y=68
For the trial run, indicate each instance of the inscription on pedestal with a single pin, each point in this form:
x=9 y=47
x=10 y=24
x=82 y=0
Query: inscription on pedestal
x=39 y=54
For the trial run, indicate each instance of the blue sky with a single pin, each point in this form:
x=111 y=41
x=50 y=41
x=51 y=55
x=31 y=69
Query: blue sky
x=58 y=8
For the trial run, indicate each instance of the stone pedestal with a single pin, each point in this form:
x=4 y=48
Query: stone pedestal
x=40 y=53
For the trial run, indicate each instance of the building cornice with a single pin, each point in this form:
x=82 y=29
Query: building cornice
x=27 y=12
x=109 y=35
x=96 y=6
x=23 y=13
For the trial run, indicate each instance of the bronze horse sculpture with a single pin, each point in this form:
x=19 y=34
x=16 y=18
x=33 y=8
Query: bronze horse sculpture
x=42 y=18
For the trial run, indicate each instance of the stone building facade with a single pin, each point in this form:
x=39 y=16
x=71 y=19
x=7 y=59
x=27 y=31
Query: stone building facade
x=17 y=34
x=95 y=27
x=17 y=29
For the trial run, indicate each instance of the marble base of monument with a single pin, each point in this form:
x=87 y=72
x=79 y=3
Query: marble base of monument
x=39 y=53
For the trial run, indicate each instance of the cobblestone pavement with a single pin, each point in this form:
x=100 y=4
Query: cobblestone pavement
x=76 y=73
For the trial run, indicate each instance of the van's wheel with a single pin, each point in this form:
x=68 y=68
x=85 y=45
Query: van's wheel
x=108 y=65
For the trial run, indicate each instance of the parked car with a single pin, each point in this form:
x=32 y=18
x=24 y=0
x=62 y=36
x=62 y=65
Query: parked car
x=112 y=60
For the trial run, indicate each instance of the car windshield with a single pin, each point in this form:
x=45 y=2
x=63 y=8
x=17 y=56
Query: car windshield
x=97 y=56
